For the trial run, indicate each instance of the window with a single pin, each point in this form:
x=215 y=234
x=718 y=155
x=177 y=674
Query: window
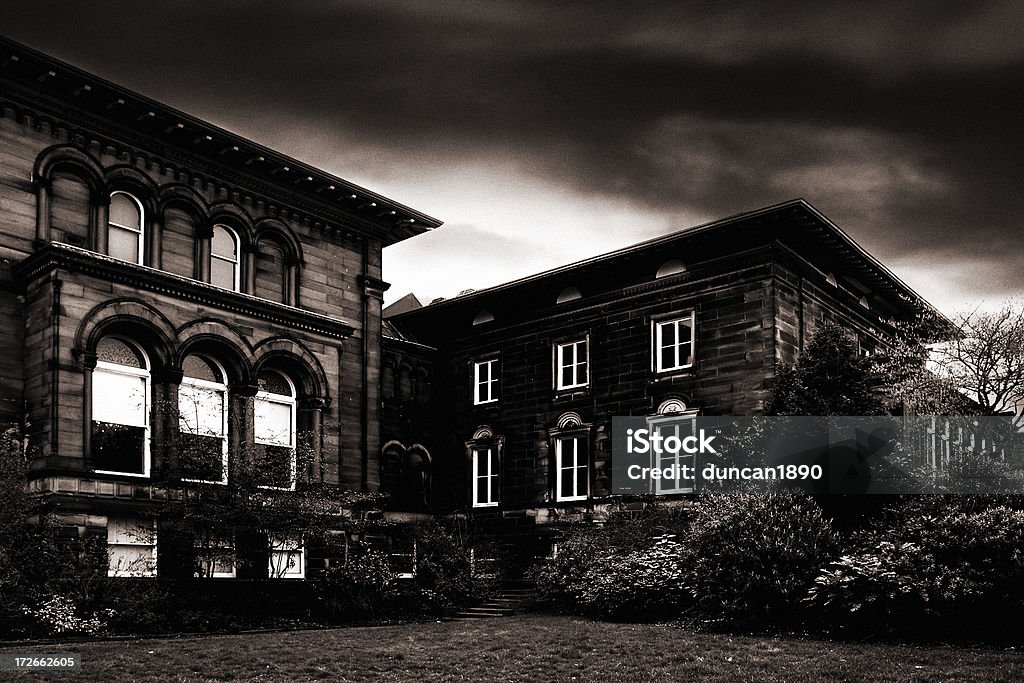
x=275 y=430
x=224 y=258
x=215 y=559
x=131 y=547
x=572 y=474
x=120 y=409
x=673 y=343
x=287 y=558
x=571 y=365
x=485 y=381
x=679 y=426
x=485 y=476
x=124 y=228
x=203 y=420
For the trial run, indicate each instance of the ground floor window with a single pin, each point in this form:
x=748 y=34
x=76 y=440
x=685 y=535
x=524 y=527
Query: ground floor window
x=215 y=559
x=572 y=473
x=131 y=547
x=287 y=558
x=485 y=476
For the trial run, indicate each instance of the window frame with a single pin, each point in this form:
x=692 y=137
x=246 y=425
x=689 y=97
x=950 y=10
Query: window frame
x=656 y=423
x=657 y=325
x=237 y=262
x=492 y=383
x=557 y=358
x=278 y=545
x=213 y=545
x=141 y=231
x=580 y=441
x=493 y=474
x=225 y=403
x=145 y=374
x=292 y=403
x=152 y=568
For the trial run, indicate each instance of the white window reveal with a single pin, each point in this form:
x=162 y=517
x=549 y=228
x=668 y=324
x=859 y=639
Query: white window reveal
x=224 y=269
x=120 y=409
x=124 y=228
x=674 y=343
x=203 y=420
x=131 y=547
x=485 y=476
x=274 y=422
x=572 y=472
x=215 y=559
x=679 y=461
x=571 y=365
x=287 y=558
x=485 y=381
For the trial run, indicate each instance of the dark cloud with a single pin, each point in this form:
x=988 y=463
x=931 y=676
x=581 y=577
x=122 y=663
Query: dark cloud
x=898 y=120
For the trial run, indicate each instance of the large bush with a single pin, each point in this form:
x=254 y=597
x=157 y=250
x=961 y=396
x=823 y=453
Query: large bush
x=444 y=570
x=357 y=589
x=737 y=558
x=927 y=570
x=644 y=584
x=616 y=570
x=752 y=557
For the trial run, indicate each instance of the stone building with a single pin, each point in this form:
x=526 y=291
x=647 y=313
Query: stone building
x=166 y=282
x=527 y=376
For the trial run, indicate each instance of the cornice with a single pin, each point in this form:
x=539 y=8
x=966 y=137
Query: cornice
x=56 y=256
x=95 y=112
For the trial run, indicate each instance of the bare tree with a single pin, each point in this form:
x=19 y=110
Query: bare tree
x=985 y=359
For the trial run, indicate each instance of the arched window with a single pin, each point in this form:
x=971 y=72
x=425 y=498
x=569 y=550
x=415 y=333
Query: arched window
x=120 y=408
x=124 y=228
x=224 y=270
x=274 y=418
x=203 y=420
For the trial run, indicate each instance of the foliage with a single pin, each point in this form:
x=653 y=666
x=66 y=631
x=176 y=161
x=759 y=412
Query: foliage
x=444 y=575
x=48 y=583
x=752 y=557
x=59 y=615
x=957 y=567
x=735 y=557
x=594 y=565
x=643 y=584
x=830 y=378
x=357 y=589
x=906 y=367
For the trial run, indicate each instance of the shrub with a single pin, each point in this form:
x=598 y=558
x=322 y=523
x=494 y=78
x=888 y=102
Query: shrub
x=644 y=585
x=444 y=575
x=58 y=615
x=955 y=567
x=356 y=589
x=752 y=557
x=559 y=579
x=592 y=569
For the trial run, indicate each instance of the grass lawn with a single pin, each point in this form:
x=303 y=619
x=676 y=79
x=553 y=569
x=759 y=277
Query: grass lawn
x=522 y=648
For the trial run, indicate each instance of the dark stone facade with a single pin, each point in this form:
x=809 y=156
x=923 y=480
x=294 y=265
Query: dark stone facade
x=306 y=298
x=757 y=286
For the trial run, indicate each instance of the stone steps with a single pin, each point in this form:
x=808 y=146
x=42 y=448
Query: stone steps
x=506 y=602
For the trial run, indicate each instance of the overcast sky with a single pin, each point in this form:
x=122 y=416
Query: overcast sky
x=546 y=132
